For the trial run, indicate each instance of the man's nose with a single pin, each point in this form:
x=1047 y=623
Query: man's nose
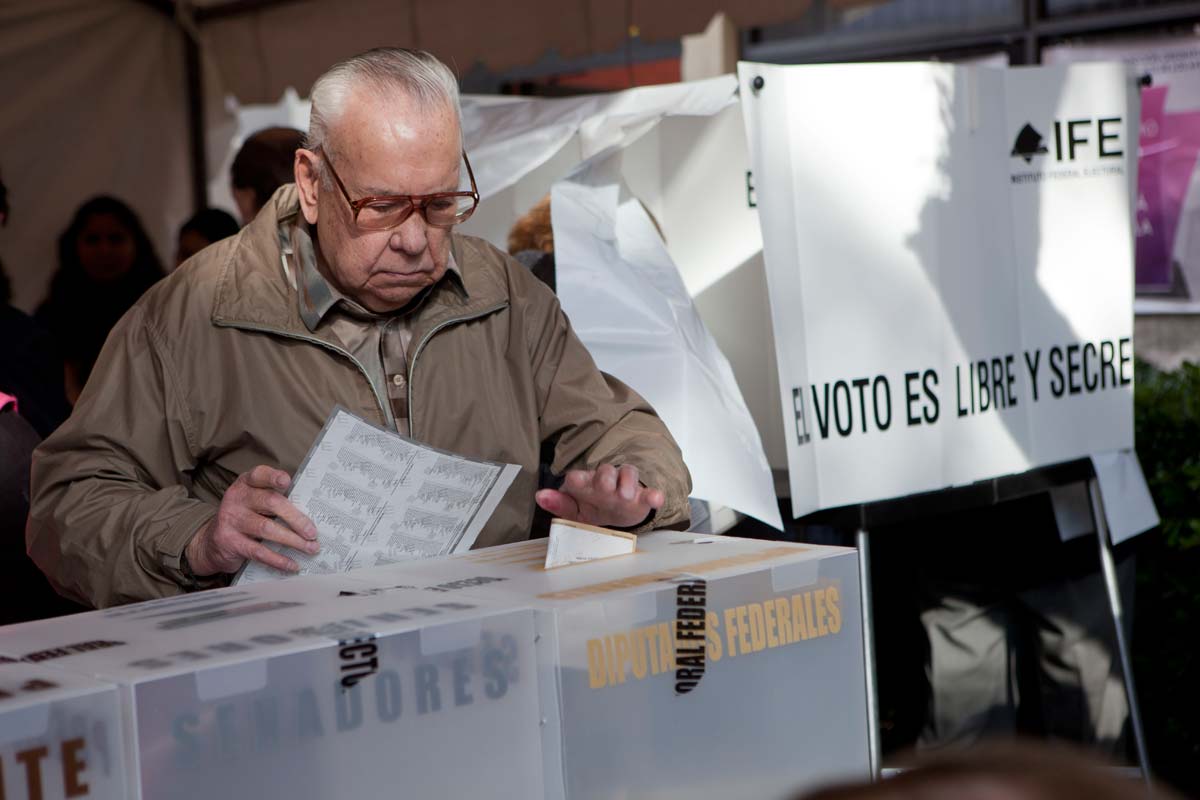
x=411 y=237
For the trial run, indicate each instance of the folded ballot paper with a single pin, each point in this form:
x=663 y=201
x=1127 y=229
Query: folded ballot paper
x=576 y=543
x=377 y=498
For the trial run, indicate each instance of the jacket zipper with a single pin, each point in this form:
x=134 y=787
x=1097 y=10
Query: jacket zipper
x=310 y=340
x=412 y=362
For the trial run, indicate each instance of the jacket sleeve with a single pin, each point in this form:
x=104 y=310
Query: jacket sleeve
x=111 y=510
x=592 y=418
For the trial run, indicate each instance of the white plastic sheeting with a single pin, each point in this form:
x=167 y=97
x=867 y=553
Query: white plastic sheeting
x=627 y=302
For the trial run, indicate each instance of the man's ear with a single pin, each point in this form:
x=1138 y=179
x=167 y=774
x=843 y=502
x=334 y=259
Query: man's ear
x=308 y=180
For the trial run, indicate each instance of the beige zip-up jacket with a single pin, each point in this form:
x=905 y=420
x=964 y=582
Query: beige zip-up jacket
x=213 y=372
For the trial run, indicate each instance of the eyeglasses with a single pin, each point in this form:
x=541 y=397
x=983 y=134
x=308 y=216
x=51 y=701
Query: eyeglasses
x=384 y=212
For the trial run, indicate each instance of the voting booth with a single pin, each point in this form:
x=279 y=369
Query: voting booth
x=313 y=688
x=957 y=309
x=960 y=304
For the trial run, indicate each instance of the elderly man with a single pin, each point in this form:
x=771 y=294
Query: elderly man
x=348 y=287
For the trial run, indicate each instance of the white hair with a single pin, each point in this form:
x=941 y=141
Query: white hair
x=416 y=73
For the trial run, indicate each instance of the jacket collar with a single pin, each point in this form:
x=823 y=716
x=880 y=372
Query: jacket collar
x=258 y=288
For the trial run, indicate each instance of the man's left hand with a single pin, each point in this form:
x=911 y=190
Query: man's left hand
x=605 y=496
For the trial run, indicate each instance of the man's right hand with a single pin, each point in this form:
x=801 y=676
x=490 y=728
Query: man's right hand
x=245 y=518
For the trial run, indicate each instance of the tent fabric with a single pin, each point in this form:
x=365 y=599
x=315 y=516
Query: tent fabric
x=100 y=102
x=262 y=52
x=95 y=103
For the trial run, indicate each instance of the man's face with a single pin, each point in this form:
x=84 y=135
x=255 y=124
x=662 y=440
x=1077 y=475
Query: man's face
x=381 y=145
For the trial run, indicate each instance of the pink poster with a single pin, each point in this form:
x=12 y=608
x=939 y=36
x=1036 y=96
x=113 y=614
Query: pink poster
x=1167 y=151
x=1168 y=209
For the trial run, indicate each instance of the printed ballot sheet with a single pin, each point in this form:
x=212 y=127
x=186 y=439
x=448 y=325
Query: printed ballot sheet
x=377 y=498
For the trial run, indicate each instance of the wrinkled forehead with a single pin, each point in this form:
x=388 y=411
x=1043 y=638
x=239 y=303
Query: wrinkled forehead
x=392 y=143
x=396 y=116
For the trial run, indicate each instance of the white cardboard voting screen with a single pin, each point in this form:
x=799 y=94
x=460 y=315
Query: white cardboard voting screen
x=950 y=262
x=627 y=282
x=628 y=304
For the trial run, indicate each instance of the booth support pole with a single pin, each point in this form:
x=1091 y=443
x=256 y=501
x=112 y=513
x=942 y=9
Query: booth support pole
x=196 y=121
x=1108 y=566
x=861 y=538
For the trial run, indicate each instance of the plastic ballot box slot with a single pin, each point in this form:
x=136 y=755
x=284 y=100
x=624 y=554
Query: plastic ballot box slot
x=695 y=667
x=576 y=543
x=311 y=688
x=60 y=735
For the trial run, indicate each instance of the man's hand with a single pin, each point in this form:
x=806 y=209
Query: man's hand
x=605 y=496
x=244 y=519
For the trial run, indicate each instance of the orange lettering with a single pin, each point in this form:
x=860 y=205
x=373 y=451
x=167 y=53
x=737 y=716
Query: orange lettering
x=757 y=636
x=799 y=628
x=731 y=630
x=72 y=766
x=622 y=654
x=808 y=615
x=784 y=613
x=833 y=602
x=714 y=638
x=33 y=770
x=822 y=627
x=595 y=657
x=666 y=652
x=769 y=614
x=639 y=654
x=743 y=631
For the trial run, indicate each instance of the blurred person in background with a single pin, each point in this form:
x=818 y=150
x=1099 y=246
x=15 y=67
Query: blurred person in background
x=531 y=241
x=25 y=594
x=1015 y=770
x=30 y=385
x=263 y=165
x=206 y=226
x=105 y=263
x=30 y=368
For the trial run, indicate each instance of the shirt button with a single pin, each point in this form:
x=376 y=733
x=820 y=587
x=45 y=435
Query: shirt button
x=398 y=379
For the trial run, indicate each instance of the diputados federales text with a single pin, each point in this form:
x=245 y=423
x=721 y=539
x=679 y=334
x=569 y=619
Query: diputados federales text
x=731 y=632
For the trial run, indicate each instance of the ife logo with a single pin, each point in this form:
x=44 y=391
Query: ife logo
x=1072 y=139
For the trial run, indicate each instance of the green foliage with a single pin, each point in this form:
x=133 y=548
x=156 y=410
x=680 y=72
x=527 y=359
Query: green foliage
x=1167 y=424
x=1167 y=604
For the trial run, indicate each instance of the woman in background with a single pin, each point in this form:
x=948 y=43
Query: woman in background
x=105 y=263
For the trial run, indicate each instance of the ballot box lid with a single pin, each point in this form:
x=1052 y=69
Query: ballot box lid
x=136 y=642
x=25 y=686
x=516 y=571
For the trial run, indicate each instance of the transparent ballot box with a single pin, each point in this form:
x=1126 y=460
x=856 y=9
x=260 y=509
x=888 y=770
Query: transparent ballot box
x=311 y=688
x=60 y=735
x=698 y=666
